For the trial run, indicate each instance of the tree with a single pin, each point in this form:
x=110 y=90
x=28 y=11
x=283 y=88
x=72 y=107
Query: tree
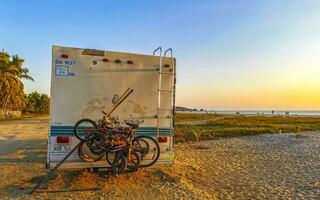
x=11 y=87
x=37 y=103
x=45 y=104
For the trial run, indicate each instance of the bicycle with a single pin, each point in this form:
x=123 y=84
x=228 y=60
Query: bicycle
x=97 y=138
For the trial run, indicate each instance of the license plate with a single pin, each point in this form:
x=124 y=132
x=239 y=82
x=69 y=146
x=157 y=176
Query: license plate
x=62 y=147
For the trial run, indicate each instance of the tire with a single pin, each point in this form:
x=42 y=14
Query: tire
x=110 y=157
x=119 y=164
x=140 y=146
x=86 y=155
x=95 y=142
x=153 y=154
x=81 y=132
x=133 y=163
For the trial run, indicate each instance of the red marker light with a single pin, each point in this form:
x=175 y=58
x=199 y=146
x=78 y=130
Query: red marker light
x=130 y=62
x=117 y=61
x=63 y=139
x=162 y=139
x=105 y=60
x=64 y=56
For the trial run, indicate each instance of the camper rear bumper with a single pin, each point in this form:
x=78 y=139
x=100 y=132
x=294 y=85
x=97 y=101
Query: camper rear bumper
x=72 y=166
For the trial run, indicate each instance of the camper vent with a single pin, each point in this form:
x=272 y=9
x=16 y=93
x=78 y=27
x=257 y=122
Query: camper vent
x=93 y=52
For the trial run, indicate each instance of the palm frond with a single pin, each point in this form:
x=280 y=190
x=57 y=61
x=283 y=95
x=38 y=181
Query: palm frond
x=27 y=77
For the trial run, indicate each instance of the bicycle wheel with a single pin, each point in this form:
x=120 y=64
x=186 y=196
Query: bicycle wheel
x=149 y=155
x=119 y=164
x=110 y=157
x=141 y=147
x=86 y=154
x=83 y=128
x=133 y=161
x=96 y=143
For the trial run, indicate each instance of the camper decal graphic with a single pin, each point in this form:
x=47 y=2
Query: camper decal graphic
x=61 y=70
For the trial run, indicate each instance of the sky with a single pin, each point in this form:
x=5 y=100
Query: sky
x=245 y=55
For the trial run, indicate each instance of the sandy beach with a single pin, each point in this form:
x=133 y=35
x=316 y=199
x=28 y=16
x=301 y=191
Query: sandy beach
x=279 y=166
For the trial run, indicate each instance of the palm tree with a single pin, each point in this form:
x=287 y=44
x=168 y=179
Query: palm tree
x=11 y=86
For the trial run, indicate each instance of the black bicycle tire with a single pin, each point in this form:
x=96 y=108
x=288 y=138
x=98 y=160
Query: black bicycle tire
x=109 y=152
x=136 y=166
x=78 y=123
x=101 y=150
x=107 y=157
x=157 y=146
x=140 y=139
x=119 y=155
x=85 y=157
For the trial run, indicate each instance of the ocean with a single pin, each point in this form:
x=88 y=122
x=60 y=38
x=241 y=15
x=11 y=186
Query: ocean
x=260 y=112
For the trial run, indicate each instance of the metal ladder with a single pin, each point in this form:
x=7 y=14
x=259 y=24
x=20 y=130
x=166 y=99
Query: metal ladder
x=171 y=91
x=159 y=88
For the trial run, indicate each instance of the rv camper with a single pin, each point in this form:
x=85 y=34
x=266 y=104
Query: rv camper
x=85 y=82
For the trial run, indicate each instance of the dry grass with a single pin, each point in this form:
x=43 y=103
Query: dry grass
x=25 y=116
x=235 y=125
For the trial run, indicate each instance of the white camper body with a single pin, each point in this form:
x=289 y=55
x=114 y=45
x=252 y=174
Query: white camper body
x=84 y=82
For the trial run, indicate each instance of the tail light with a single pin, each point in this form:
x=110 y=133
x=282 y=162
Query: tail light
x=105 y=60
x=166 y=66
x=162 y=139
x=130 y=62
x=117 y=61
x=63 y=139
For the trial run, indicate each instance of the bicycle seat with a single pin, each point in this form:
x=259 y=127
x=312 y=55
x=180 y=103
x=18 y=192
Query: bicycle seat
x=133 y=123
